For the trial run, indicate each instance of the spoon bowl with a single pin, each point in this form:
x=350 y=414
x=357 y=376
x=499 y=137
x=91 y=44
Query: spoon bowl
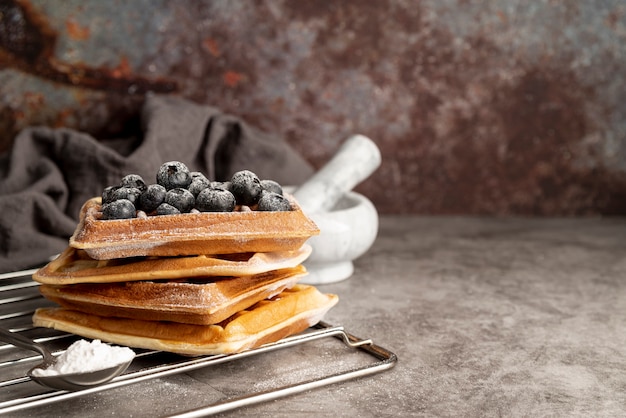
x=78 y=381
x=69 y=381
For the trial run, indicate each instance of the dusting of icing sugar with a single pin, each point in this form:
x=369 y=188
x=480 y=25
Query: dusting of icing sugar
x=84 y=357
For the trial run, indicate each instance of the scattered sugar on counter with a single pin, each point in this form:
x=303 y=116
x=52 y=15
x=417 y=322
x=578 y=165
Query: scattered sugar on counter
x=83 y=357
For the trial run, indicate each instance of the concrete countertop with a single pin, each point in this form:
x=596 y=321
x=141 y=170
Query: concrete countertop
x=488 y=317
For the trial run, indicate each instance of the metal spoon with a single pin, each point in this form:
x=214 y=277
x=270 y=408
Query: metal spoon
x=72 y=381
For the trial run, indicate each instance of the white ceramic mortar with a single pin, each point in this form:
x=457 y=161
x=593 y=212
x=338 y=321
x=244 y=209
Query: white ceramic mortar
x=347 y=231
x=348 y=221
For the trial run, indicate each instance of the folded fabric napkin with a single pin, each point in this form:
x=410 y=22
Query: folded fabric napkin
x=49 y=173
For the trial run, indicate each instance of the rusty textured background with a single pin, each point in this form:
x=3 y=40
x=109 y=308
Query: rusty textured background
x=488 y=108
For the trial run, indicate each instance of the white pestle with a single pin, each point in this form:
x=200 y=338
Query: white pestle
x=356 y=159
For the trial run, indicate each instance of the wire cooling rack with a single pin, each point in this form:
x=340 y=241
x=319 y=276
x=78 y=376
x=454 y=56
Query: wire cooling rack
x=19 y=297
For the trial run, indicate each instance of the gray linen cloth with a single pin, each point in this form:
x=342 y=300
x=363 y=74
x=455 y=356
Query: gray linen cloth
x=49 y=173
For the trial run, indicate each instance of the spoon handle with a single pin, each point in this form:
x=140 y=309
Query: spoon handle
x=23 y=342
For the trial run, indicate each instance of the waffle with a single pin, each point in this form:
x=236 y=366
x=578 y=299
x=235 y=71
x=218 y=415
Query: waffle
x=75 y=266
x=191 y=233
x=197 y=301
x=290 y=312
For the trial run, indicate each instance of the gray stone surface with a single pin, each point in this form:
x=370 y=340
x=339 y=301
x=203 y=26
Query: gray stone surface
x=492 y=317
x=489 y=317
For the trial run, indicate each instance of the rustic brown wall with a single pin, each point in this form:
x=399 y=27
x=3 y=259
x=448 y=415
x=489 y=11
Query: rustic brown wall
x=489 y=108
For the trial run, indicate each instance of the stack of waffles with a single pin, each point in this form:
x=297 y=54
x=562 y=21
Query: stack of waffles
x=193 y=283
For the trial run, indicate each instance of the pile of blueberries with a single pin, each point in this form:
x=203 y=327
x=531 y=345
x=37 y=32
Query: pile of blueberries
x=177 y=190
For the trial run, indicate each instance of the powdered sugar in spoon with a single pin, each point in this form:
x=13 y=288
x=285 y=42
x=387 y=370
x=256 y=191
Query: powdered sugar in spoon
x=69 y=381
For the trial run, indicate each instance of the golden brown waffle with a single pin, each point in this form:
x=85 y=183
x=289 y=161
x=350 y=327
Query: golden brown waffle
x=201 y=301
x=290 y=312
x=191 y=233
x=75 y=266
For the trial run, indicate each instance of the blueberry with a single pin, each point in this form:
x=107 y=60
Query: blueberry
x=215 y=200
x=134 y=180
x=167 y=209
x=126 y=192
x=273 y=202
x=173 y=174
x=107 y=194
x=118 y=209
x=246 y=187
x=272 y=186
x=181 y=199
x=152 y=197
x=198 y=184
